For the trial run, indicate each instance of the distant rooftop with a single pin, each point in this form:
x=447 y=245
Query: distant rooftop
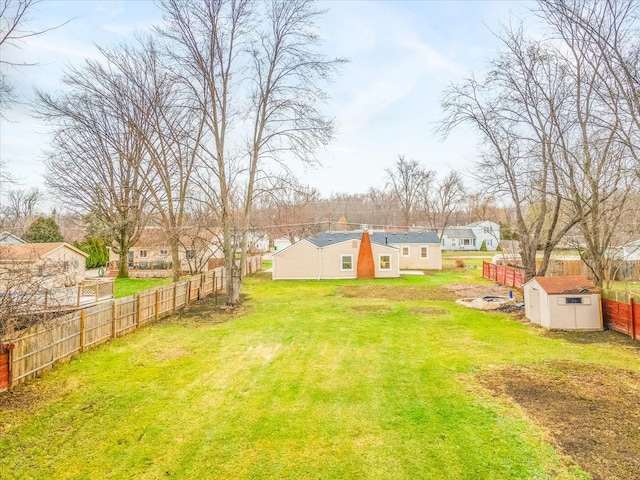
x=380 y=238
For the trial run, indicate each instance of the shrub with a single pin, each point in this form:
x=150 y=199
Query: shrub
x=483 y=247
x=499 y=248
x=97 y=250
x=460 y=263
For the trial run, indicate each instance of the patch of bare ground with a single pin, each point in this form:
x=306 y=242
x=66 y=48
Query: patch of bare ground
x=471 y=290
x=372 y=308
x=211 y=311
x=389 y=292
x=590 y=412
x=429 y=311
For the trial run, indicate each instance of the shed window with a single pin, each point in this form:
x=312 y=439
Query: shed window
x=385 y=262
x=405 y=251
x=574 y=299
x=424 y=252
x=346 y=262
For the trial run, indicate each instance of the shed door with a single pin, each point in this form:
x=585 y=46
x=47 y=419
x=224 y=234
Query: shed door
x=535 y=306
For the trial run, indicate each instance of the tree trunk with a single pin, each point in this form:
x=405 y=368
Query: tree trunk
x=123 y=264
x=175 y=257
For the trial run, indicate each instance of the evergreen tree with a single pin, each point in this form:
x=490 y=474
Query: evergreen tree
x=43 y=230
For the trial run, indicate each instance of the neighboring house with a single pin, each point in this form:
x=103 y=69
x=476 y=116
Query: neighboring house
x=281 y=243
x=470 y=237
x=55 y=264
x=563 y=303
x=628 y=252
x=198 y=249
x=10 y=238
x=335 y=255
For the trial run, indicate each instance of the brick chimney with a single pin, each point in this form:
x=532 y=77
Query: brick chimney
x=366 y=267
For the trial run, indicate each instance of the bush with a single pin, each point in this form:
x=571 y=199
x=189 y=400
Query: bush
x=499 y=248
x=97 y=250
x=483 y=247
x=43 y=230
x=460 y=263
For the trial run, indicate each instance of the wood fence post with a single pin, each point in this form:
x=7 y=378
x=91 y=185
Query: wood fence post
x=10 y=347
x=113 y=320
x=186 y=301
x=633 y=318
x=175 y=295
x=157 y=304
x=138 y=310
x=83 y=329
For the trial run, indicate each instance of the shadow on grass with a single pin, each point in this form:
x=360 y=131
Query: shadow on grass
x=607 y=337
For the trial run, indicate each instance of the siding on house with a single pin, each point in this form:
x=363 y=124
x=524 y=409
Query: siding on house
x=306 y=260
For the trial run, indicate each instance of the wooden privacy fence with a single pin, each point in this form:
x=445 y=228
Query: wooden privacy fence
x=622 y=317
x=508 y=276
x=43 y=345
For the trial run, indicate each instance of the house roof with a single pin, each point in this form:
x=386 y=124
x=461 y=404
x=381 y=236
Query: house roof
x=10 y=238
x=31 y=251
x=459 y=233
x=568 y=284
x=380 y=238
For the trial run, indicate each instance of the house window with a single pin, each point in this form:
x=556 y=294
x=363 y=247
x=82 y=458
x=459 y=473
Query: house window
x=405 y=251
x=143 y=254
x=487 y=229
x=385 y=262
x=190 y=253
x=164 y=251
x=465 y=242
x=424 y=252
x=346 y=262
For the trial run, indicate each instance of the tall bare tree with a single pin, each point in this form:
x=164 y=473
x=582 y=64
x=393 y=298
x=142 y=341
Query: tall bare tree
x=408 y=181
x=253 y=69
x=15 y=15
x=95 y=161
x=443 y=200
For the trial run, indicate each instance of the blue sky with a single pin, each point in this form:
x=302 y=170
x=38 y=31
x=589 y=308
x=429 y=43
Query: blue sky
x=386 y=101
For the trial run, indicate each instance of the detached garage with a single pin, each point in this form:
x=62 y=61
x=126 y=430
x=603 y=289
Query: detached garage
x=563 y=303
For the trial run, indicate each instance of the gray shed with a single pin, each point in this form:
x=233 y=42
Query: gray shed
x=563 y=303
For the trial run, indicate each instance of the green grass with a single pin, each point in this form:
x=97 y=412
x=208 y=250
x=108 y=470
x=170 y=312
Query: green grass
x=305 y=382
x=130 y=286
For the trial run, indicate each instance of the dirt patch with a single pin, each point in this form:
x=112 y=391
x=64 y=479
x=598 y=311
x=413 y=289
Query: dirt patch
x=371 y=308
x=471 y=290
x=389 y=292
x=607 y=337
x=429 y=311
x=591 y=413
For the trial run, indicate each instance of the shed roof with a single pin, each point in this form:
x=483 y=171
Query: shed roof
x=31 y=251
x=380 y=238
x=568 y=284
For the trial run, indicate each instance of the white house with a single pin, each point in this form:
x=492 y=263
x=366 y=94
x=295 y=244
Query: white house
x=629 y=251
x=471 y=237
x=563 y=303
x=336 y=254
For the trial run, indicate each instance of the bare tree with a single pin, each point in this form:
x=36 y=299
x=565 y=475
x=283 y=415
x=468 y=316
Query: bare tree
x=515 y=110
x=408 y=181
x=229 y=52
x=95 y=162
x=20 y=207
x=14 y=16
x=443 y=201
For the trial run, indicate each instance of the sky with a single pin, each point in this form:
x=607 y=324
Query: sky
x=386 y=101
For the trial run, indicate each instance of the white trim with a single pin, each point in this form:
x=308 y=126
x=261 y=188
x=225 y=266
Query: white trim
x=342 y=255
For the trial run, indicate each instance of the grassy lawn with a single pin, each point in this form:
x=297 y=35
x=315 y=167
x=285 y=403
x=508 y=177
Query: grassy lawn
x=130 y=286
x=312 y=379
